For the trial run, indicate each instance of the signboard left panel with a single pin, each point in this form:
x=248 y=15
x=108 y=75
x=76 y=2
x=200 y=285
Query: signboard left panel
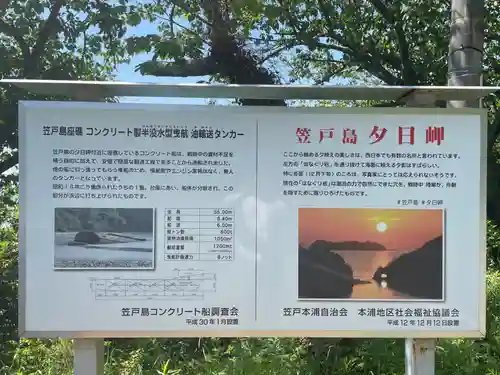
x=133 y=196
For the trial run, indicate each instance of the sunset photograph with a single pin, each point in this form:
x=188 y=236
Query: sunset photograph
x=371 y=254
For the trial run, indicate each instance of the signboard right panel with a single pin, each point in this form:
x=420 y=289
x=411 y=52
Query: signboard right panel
x=379 y=220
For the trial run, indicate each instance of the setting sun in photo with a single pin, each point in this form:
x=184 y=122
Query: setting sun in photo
x=370 y=253
x=381 y=227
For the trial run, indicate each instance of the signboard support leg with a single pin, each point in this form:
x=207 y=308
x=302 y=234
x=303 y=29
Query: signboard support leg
x=420 y=353
x=89 y=356
x=420 y=356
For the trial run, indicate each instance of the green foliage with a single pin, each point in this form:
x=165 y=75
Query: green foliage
x=8 y=265
x=395 y=43
x=267 y=356
x=239 y=42
x=493 y=238
x=272 y=356
x=64 y=40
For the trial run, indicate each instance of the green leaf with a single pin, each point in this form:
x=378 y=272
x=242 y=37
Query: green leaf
x=169 y=48
x=140 y=44
x=134 y=19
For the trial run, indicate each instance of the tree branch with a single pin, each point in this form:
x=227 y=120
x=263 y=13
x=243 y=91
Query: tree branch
x=227 y=58
x=186 y=29
x=277 y=51
x=408 y=73
x=183 y=68
x=336 y=47
x=332 y=73
x=49 y=28
x=186 y=9
x=371 y=63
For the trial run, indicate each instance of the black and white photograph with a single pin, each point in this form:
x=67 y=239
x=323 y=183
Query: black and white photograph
x=104 y=238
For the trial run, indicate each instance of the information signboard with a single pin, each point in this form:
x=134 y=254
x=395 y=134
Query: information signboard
x=155 y=220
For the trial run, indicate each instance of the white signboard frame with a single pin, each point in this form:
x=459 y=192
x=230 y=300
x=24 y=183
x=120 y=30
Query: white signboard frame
x=35 y=317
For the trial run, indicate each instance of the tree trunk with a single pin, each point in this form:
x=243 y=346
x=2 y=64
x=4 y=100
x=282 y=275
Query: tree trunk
x=466 y=47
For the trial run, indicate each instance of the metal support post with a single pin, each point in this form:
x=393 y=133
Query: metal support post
x=420 y=354
x=89 y=356
x=89 y=353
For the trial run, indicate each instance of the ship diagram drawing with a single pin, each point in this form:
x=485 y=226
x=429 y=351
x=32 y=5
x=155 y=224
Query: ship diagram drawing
x=185 y=284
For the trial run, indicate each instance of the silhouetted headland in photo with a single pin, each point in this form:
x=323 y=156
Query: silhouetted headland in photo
x=324 y=274
x=346 y=246
x=418 y=273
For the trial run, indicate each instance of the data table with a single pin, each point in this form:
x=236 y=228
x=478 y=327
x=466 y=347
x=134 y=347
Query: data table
x=205 y=234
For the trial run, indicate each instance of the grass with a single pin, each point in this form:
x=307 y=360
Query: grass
x=271 y=356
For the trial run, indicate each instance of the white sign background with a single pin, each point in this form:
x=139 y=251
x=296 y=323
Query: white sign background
x=261 y=279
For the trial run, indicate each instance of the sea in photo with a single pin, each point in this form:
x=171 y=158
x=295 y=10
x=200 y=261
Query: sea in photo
x=371 y=254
